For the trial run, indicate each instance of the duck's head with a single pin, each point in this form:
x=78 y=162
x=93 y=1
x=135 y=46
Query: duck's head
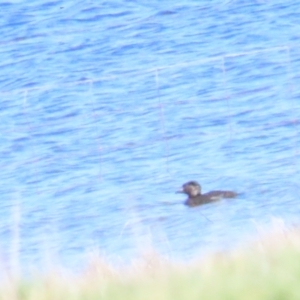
x=191 y=188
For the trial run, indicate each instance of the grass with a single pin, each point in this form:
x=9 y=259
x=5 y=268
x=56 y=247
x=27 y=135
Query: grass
x=268 y=269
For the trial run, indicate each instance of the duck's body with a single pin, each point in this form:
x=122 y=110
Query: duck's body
x=193 y=190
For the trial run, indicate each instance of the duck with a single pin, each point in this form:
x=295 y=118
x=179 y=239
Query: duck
x=193 y=190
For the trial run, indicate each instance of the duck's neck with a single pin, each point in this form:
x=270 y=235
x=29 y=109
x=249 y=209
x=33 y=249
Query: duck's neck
x=195 y=195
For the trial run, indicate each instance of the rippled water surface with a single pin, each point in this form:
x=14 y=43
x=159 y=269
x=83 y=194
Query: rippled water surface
x=107 y=108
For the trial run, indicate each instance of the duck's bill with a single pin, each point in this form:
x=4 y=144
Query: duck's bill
x=180 y=191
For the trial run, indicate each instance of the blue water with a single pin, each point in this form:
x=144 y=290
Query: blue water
x=107 y=108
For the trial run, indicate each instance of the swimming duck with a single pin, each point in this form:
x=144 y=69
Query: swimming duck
x=193 y=190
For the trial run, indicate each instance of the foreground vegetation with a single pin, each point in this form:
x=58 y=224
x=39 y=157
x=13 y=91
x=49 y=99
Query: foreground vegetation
x=269 y=269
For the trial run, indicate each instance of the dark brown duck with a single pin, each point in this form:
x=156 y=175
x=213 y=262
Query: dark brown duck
x=193 y=190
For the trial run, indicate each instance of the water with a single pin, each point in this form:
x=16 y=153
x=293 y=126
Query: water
x=108 y=108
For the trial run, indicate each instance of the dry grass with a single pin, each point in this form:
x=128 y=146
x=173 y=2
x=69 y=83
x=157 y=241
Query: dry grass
x=268 y=269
